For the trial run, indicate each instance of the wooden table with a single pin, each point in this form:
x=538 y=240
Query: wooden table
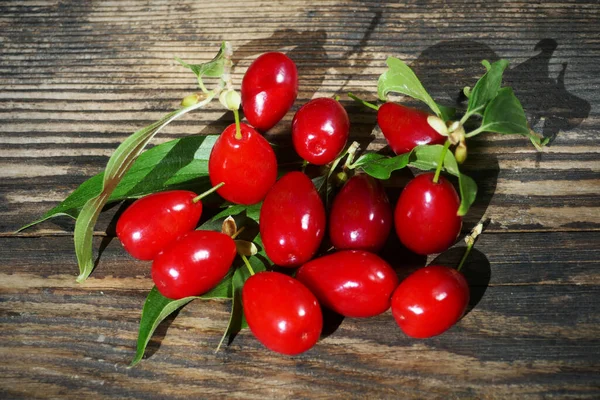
x=76 y=78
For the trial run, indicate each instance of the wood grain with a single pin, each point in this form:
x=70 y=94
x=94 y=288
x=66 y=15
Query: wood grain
x=76 y=78
x=534 y=330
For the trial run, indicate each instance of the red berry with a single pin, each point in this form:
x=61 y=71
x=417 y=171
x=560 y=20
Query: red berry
x=405 y=128
x=320 y=130
x=246 y=165
x=193 y=264
x=430 y=301
x=269 y=89
x=154 y=221
x=281 y=312
x=292 y=220
x=353 y=283
x=361 y=215
x=425 y=215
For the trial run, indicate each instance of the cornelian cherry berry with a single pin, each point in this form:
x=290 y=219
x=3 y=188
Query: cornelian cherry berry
x=405 y=128
x=193 y=264
x=281 y=312
x=269 y=89
x=320 y=130
x=353 y=283
x=246 y=164
x=292 y=220
x=425 y=215
x=361 y=215
x=430 y=301
x=154 y=221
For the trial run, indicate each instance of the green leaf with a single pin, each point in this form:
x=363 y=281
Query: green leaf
x=400 y=78
x=177 y=164
x=214 y=68
x=425 y=158
x=486 y=87
x=157 y=307
x=381 y=167
x=447 y=113
x=252 y=211
x=118 y=164
x=505 y=115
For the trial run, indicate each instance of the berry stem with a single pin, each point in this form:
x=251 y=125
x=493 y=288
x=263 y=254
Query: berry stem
x=440 y=165
x=250 y=269
x=209 y=191
x=238 y=130
x=236 y=233
x=363 y=102
x=304 y=165
x=470 y=241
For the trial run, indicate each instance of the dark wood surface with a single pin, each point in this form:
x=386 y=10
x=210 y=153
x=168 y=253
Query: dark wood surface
x=76 y=78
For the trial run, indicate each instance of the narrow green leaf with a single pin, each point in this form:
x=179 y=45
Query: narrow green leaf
x=486 y=87
x=157 y=307
x=118 y=164
x=400 y=78
x=505 y=115
x=214 y=68
x=425 y=158
x=177 y=164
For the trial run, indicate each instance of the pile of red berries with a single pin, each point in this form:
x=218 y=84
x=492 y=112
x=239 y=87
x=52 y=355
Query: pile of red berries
x=284 y=312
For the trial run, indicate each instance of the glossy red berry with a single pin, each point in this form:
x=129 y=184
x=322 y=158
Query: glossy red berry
x=320 y=130
x=281 y=312
x=353 y=283
x=192 y=265
x=361 y=215
x=292 y=220
x=246 y=165
x=425 y=215
x=154 y=221
x=429 y=301
x=405 y=128
x=269 y=89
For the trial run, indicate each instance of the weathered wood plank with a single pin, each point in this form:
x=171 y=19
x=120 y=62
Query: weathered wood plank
x=534 y=331
x=78 y=77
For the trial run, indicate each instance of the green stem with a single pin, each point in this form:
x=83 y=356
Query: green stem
x=474 y=132
x=250 y=269
x=209 y=191
x=469 y=114
x=464 y=257
x=237 y=233
x=304 y=164
x=238 y=130
x=470 y=241
x=436 y=177
x=363 y=102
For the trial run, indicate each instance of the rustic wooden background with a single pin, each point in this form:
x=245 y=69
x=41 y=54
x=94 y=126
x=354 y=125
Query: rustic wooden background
x=77 y=77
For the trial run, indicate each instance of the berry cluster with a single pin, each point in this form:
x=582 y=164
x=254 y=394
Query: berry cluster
x=308 y=251
x=284 y=312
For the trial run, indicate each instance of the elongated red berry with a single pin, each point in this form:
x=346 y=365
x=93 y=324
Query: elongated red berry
x=154 y=221
x=430 y=301
x=292 y=220
x=405 y=128
x=269 y=89
x=246 y=164
x=353 y=283
x=361 y=216
x=193 y=264
x=426 y=215
x=281 y=312
x=320 y=130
